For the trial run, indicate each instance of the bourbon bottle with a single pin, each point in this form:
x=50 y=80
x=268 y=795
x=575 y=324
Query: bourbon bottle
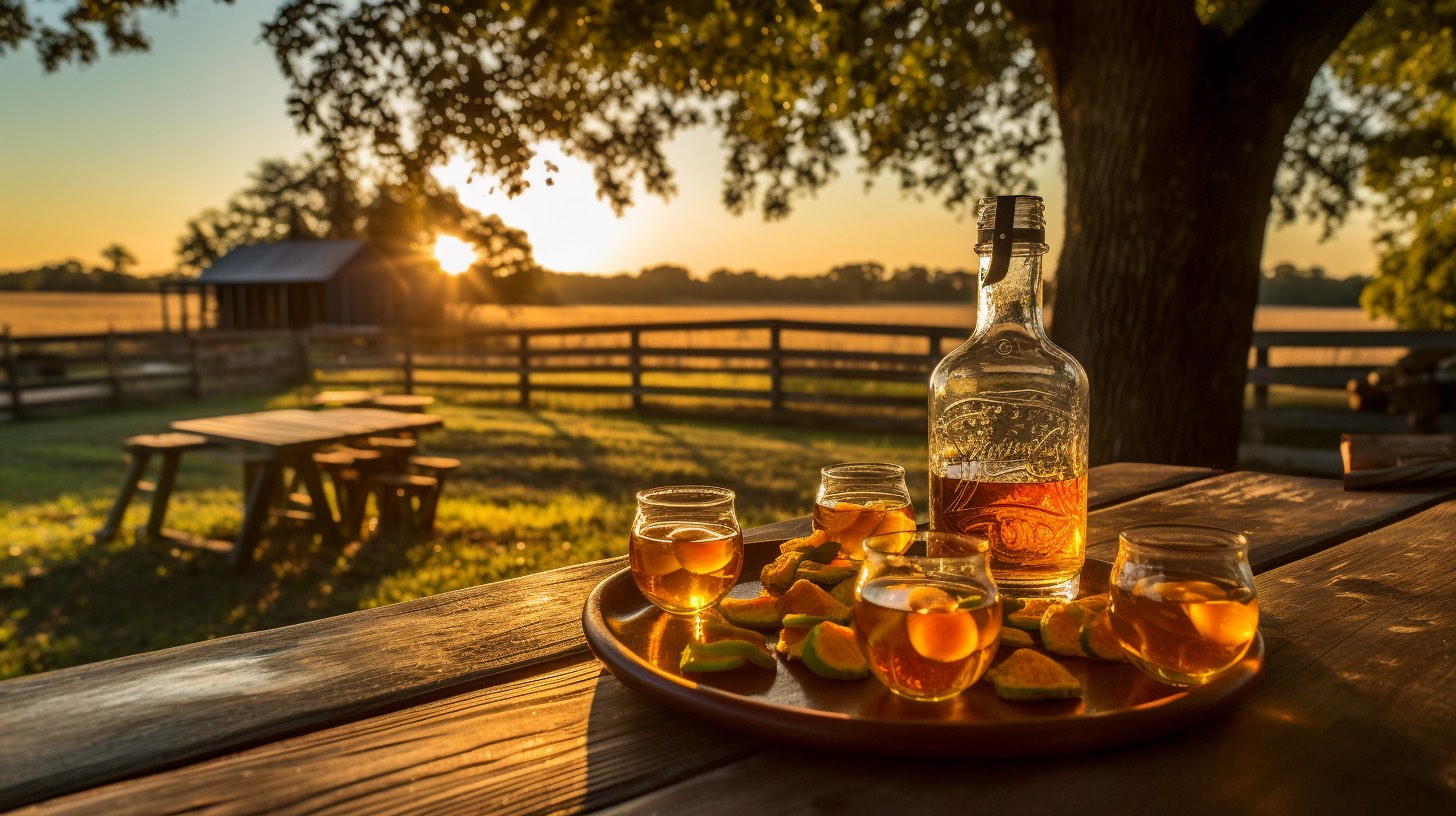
x=1008 y=419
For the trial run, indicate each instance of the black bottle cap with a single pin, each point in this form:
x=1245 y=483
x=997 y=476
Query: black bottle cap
x=1004 y=233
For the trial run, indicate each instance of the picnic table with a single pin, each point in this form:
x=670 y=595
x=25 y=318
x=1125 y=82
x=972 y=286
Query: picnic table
x=288 y=438
x=487 y=700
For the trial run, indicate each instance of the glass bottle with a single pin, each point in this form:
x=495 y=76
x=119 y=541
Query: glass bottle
x=1008 y=419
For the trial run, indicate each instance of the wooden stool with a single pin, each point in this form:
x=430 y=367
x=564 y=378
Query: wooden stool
x=440 y=468
x=342 y=399
x=405 y=403
x=402 y=497
x=396 y=451
x=350 y=471
x=139 y=450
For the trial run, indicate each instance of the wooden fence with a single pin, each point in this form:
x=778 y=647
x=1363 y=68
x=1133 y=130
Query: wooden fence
x=60 y=373
x=767 y=368
x=1299 y=431
x=772 y=365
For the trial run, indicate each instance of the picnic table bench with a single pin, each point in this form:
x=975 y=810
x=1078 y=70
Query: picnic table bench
x=487 y=700
x=271 y=441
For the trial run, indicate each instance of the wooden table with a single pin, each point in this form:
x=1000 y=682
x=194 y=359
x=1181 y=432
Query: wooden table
x=288 y=438
x=486 y=700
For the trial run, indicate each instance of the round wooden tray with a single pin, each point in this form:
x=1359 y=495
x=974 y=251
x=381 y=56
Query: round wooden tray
x=641 y=646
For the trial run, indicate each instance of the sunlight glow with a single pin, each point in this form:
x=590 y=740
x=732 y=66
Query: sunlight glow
x=570 y=229
x=455 y=256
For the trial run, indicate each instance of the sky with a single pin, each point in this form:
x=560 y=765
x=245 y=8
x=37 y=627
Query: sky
x=129 y=149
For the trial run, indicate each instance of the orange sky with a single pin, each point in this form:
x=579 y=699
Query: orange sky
x=130 y=149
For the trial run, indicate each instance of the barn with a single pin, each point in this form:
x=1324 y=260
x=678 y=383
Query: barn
x=295 y=285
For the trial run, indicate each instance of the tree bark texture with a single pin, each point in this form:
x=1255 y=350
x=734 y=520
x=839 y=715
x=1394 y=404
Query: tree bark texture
x=1172 y=133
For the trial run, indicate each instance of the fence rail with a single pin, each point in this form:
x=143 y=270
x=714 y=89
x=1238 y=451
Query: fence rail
x=772 y=366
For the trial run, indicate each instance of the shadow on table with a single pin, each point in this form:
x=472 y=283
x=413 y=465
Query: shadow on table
x=635 y=746
x=1308 y=741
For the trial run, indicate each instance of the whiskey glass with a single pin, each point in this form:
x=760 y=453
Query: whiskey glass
x=1182 y=600
x=686 y=549
x=857 y=500
x=926 y=612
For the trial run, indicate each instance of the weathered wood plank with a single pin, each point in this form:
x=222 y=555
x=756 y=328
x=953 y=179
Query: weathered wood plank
x=1112 y=484
x=74 y=728
x=1353 y=715
x=566 y=740
x=1285 y=517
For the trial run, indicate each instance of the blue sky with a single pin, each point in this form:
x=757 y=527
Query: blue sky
x=129 y=149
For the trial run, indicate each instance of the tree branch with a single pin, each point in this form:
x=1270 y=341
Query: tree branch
x=1288 y=40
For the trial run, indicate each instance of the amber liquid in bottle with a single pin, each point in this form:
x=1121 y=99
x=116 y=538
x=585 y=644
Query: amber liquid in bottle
x=1008 y=420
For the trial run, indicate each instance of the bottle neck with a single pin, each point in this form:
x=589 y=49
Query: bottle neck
x=1014 y=302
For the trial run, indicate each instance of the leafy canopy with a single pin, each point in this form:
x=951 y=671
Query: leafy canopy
x=946 y=97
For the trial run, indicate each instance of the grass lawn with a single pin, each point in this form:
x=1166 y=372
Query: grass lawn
x=538 y=489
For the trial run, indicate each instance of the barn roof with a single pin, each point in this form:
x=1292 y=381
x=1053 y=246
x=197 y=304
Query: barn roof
x=283 y=262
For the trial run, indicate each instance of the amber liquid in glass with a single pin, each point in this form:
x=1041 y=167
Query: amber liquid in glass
x=1184 y=631
x=1037 y=531
x=926 y=639
x=685 y=567
x=850 y=523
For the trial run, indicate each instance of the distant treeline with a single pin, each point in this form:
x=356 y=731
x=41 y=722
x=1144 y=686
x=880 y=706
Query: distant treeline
x=1284 y=285
x=72 y=276
x=847 y=283
x=1287 y=285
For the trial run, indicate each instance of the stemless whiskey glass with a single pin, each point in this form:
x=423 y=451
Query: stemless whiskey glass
x=1183 y=601
x=926 y=612
x=686 y=548
x=857 y=500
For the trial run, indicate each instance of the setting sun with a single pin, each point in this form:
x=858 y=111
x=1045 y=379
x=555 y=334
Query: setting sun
x=455 y=256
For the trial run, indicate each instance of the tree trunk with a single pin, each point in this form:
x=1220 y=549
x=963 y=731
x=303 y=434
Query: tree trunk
x=1171 y=149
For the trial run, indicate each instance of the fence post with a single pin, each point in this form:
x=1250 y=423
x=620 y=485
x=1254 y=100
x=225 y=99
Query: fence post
x=12 y=375
x=1261 y=395
x=194 y=353
x=775 y=369
x=636 y=344
x=523 y=344
x=113 y=368
x=409 y=359
x=304 y=353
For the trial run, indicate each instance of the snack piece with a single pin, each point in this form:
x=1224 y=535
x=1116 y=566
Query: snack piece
x=1025 y=614
x=844 y=591
x=797 y=621
x=1030 y=675
x=1015 y=638
x=807 y=598
x=1061 y=629
x=754 y=613
x=825 y=574
x=1100 y=641
x=721 y=655
x=823 y=554
x=808 y=542
x=778 y=575
x=830 y=650
x=714 y=630
x=791 y=642
x=1091 y=603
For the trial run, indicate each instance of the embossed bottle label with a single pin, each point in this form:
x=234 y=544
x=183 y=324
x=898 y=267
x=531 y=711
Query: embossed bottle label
x=1012 y=466
x=1009 y=436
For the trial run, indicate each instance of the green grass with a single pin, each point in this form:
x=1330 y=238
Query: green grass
x=538 y=489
